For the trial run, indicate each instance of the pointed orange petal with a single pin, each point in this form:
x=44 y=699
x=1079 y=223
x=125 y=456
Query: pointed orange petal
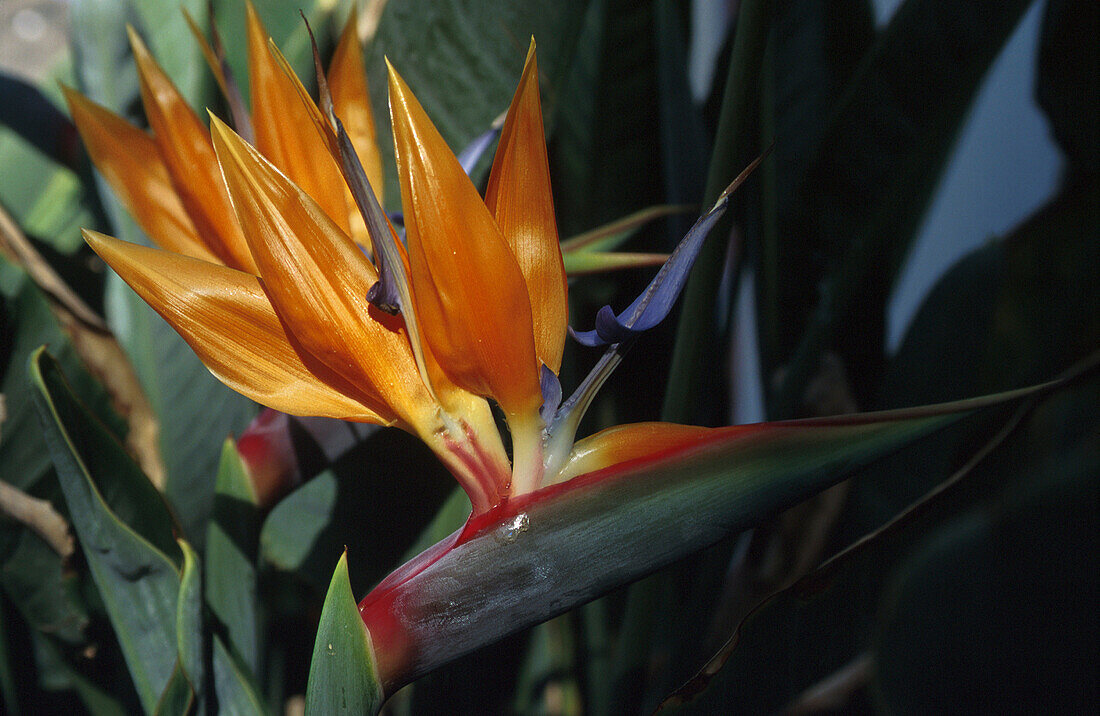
x=519 y=196
x=470 y=295
x=347 y=80
x=185 y=146
x=318 y=280
x=284 y=130
x=224 y=315
x=129 y=160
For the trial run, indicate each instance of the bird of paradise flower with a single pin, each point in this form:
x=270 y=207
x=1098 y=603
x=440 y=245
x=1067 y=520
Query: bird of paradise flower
x=280 y=269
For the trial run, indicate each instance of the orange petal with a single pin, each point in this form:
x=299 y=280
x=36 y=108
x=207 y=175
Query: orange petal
x=185 y=146
x=225 y=316
x=347 y=80
x=519 y=196
x=284 y=130
x=470 y=295
x=129 y=160
x=624 y=443
x=318 y=279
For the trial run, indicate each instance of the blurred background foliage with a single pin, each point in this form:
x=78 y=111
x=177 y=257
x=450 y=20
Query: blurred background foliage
x=866 y=265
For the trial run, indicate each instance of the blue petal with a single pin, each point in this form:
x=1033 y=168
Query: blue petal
x=657 y=299
x=655 y=302
x=551 y=394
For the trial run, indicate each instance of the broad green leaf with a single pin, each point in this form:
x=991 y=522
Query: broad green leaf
x=31 y=572
x=572 y=542
x=605 y=125
x=813 y=51
x=233 y=685
x=826 y=620
x=880 y=159
x=697 y=349
x=231 y=546
x=342 y=675
x=292 y=530
x=177 y=698
x=29 y=323
x=992 y=322
x=189 y=639
x=123 y=527
x=47 y=199
x=307 y=531
x=45 y=196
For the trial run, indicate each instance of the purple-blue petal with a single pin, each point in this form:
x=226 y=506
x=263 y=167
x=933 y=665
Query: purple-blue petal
x=656 y=301
x=551 y=394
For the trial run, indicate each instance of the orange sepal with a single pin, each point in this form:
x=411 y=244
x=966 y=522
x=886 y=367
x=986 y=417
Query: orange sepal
x=227 y=319
x=129 y=160
x=519 y=196
x=185 y=147
x=347 y=80
x=318 y=279
x=285 y=134
x=470 y=295
x=625 y=443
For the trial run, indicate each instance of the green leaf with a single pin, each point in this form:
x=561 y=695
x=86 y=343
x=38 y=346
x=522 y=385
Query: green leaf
x=123 y=526
x=811 y=629
x=571 y=542
x=177 y=698
x=811 y=55
x=292 y=530
x=231 y=547
x=697 y=349
x=233 y=685
x=47 y=199
x=342 y=676
x=28 y=323
x=310 y=528
x=605 y=130
x=990 y=323
x=880 y=158
x=582 y=262
x=189 y=624
x=614 y=234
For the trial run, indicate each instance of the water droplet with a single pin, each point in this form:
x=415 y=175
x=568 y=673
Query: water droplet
x=511 y=530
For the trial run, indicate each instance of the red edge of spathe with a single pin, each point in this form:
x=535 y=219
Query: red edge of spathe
x=479 y=524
